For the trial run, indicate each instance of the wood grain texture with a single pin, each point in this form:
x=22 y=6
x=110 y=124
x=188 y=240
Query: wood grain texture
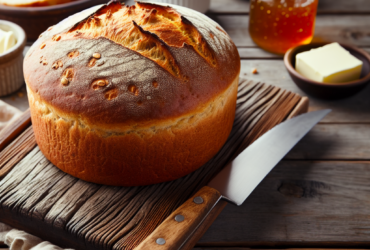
x=17 y=149
x=37 y=197
x=13 y=129
x=229 y=7
x=344 y=7
x=351 y=29
x=325 y=7
x=258 y=53
x=205 y=225
x=334 y=142
x=355 y=109
x=326 y=219
x=301 y=107
x=301 y=204
x=175 y=233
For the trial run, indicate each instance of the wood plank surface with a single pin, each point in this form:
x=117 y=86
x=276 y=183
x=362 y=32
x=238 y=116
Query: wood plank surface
x=13 y=129
x=334 y=142
x=351 y=29
x=37 y=197
x=306 y=204
x=325 y=6
x=258 y=53
x=355 y=109
x=343 y=7
x=303 y=202
x=229 y=6
x=16 y=151
x=325 y=219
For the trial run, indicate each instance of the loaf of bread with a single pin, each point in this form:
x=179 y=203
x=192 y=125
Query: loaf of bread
x=33 y=3
x=133 y=95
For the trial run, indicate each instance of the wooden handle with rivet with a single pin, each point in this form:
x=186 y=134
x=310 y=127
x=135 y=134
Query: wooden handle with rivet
x=180 y=225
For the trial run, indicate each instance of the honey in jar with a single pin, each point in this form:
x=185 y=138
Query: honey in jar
x=277 y=25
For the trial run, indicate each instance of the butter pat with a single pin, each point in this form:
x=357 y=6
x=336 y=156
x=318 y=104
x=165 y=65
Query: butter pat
x=329 y=64
x=7 y=40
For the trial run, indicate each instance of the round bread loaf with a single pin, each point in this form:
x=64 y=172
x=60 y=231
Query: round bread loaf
x=33 y=3
x=132 y=95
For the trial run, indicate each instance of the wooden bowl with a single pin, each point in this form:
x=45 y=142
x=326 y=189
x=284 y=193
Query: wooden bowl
x=35 y=20
x=328 y=90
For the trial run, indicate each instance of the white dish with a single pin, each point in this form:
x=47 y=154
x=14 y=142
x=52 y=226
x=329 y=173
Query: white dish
x=11 y=62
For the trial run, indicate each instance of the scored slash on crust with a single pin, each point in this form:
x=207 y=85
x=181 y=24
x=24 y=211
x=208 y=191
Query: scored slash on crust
x=147 y=29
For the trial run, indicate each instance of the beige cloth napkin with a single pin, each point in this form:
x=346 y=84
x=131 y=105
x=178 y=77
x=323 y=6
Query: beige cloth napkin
x=16 y=239
x=20 y=240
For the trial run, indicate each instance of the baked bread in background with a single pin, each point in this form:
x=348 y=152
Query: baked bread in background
x=33 y=3
x=132 y=95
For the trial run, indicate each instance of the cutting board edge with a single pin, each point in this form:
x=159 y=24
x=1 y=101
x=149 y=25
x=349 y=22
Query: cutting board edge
x=300 y=108
x=24 y=122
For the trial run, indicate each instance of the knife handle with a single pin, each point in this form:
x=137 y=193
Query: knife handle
x=180 y=225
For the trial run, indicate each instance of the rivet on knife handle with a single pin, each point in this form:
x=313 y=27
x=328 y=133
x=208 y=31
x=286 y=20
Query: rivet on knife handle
x=174 y=231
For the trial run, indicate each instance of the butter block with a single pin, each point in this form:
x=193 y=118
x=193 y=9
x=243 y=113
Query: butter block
x=329 y=64
x=7 y=40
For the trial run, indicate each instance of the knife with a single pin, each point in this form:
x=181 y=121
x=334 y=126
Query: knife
x=234 y=183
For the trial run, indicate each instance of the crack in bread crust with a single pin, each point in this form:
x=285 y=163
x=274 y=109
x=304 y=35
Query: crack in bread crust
x=136 y=89
x=147 y=29
x=111 y=114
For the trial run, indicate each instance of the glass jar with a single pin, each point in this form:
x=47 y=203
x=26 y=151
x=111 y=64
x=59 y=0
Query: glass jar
x=277 y=25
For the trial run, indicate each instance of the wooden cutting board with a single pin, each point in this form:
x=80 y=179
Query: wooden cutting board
x=37 y=197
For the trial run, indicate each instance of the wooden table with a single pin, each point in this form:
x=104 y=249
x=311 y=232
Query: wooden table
x=318 y=196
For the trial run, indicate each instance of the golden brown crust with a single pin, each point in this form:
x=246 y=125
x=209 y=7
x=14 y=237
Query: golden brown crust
x=147 y=29
x=136 y=157
x=122 y=67
x=116 y=99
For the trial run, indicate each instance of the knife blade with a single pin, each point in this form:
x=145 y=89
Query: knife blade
x=233 y=183
x=239 y=178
